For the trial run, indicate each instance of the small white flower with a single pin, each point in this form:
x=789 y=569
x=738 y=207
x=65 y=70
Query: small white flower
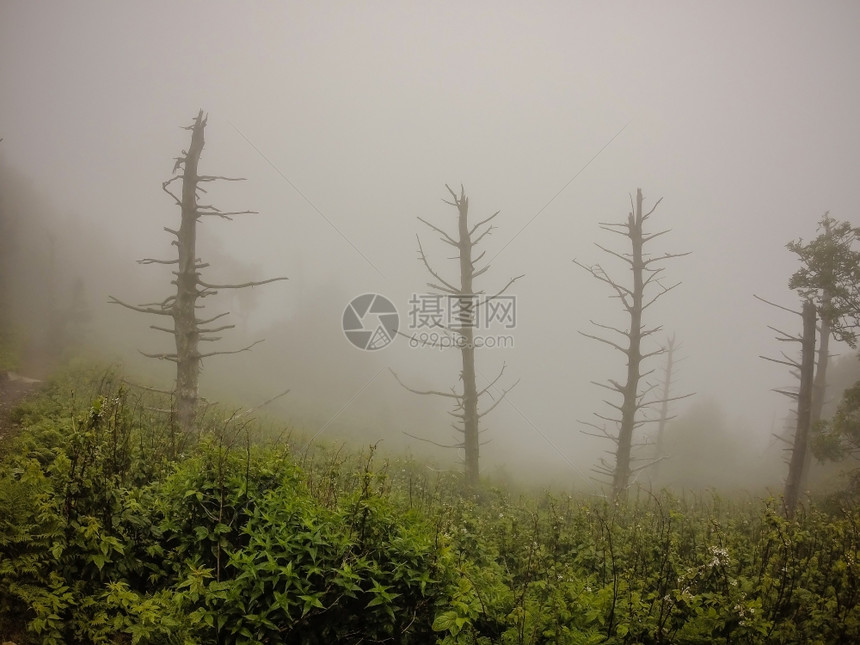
x=720 y=556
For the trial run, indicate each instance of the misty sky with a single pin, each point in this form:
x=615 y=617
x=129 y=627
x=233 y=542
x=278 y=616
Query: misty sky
x=349 y=118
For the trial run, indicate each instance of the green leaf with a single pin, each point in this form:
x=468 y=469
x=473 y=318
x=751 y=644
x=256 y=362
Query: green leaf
x=446 y=621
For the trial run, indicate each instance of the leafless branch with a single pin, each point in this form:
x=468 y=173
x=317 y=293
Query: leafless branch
x=499 y=400
x=212 y=319
x=445 y=237
x=661 y=293
x=607 y=342
x=626 y=334
x=613 y=228
x=164 y=187
x=656 y=352
x=493 y=382
x=448 y=287
x=211 y=211
x=651 y=462
x=450 y=395
x=787 y=393
x=613 y=387
x=480 y=237
x=505 y=288
x=665 y=256
x=234 y=351
x=218 y=177
x=435 y=443
x=481 y=271
x=482 y=222
x=786 y=337
x=161 y=356
x=215 y=330
x=153 y=261
x=669 y=400
x=773 y=304
x=651 y=236
x=621 y=256
x=256 y=283
x=144 y=310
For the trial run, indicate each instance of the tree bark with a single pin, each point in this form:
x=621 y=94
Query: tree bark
x=629 y=405
x=804 y=411
x=819 y=384
x=467 y=304
x=186 y=331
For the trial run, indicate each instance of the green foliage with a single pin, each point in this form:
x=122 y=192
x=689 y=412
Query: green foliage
x=225 y=544
x=650 y=571
x=830 y=275
x=111 y=533
x=838 y=438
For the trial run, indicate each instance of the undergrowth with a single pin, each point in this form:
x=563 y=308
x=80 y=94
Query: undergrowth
x=113 y=529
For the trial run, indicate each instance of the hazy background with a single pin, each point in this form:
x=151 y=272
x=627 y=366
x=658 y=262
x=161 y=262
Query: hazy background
x=349 y=118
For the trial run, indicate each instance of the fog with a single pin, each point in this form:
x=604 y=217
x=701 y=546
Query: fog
x=348 y=120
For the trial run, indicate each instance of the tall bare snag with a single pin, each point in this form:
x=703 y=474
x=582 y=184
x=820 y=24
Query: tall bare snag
x=189 y=329
x=466 y=299
x=644 y=289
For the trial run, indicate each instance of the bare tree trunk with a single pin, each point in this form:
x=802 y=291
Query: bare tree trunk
x=471 y=439
x=804 y=411
x=819 y=388
x=819 y=385
x=466 y=409
x=634 y=355
x=664 y=404
x=186 y=332
x=645 y=271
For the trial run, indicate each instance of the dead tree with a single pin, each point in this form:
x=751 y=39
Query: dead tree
x=189 y=329
x=667 y=388
x=466 y=301
x=804 y=396
x=669 y=374
x=646 y=277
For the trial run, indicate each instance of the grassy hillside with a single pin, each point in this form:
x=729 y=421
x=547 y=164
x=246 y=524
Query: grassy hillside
x=113 y=529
